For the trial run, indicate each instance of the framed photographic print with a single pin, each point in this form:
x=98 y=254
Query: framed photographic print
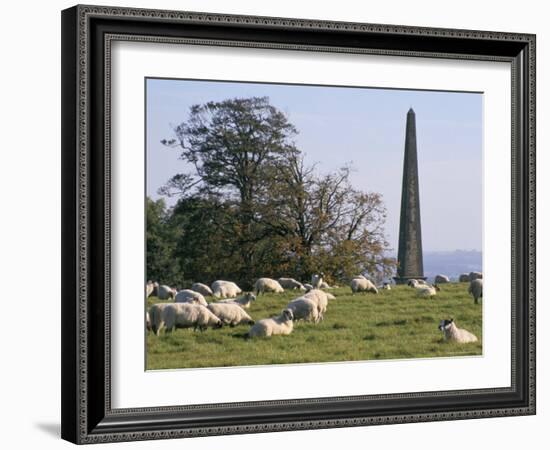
x=281 y=224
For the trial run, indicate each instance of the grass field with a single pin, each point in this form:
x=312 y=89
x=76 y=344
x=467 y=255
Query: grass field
x=391 y=325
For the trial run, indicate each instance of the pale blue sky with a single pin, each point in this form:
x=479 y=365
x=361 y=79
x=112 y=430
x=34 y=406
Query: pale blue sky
x=362 y=126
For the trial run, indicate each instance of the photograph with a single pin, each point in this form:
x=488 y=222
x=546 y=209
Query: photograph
x=300 y=224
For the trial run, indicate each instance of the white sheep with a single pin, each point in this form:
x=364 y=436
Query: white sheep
x=416 y=283
x=321 y=300
x=224 y=289
x=427 y=291
x=230 y=313
x=317 y=280
x=279 y=325
x=324 y=285
x=181 y=315
x=244 y=301
x=476 y=289
x=454 y=334
x=150 y=288
x=267 y=285
x=475 y=276
x=441 y=279
x=202 y=289
x=291 y=284
x=363 y=285
x=464 y=278
x=304 y=308
x=165 y=292
x=190 y=296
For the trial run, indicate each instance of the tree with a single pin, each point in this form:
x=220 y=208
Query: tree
x=232 y=145
x=160 y=244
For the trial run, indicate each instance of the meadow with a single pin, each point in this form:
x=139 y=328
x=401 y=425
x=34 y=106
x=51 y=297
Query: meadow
x=395 y=324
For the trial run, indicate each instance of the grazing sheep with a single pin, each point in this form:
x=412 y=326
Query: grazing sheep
x=291 y=284
x=308 y=286
x=165 y=292
x=317 y=280
x=427 y=291
x=150 y=288
x=304 y=308
x=464 y=278
x=244 y=301
x=230 y=313
x=454 y=334
x=224 y=289
x=363 y=285
x=320 y=298
x=267 y=285
x=281 y=324
x=475 y=276
x=441 y=279
x=202 y=289
x=189 y=296
x=476 y=289
x=181 y=315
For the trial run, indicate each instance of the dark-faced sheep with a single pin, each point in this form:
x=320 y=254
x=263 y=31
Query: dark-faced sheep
x=454 y=334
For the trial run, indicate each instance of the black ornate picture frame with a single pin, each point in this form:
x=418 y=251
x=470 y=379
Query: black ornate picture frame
x=87 y=35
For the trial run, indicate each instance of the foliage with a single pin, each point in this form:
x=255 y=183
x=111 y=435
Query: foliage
x=249 y=205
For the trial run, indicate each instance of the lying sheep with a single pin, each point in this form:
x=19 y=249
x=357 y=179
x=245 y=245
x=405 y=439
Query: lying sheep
x=464 y=278
x=476 y=289
x=441 y=279
x=230 y=314
x=304 y=308
x=416 y=283
x=324 y=285
x=475 y=276
x=223 y=289
x=454 y=334
x=181 y=315
x=190 y=296
x=363 y=285
x=244 y=301
x=267 y=285
x=316 y=280
x=427 y=291
x=279 y=325
x=291 y=284
x=164 y=292
x=321 y=300
x=202 y=289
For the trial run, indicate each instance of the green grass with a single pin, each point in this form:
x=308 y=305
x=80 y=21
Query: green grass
x=391 y=325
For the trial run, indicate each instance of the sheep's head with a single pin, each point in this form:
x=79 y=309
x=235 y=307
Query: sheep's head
x=288 y=315
x=445 y=324
x=218 y=324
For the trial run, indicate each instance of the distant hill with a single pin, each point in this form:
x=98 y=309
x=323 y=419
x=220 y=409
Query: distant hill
x=452 y=263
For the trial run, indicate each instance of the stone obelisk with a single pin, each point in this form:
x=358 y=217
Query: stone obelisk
x=409 y=255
